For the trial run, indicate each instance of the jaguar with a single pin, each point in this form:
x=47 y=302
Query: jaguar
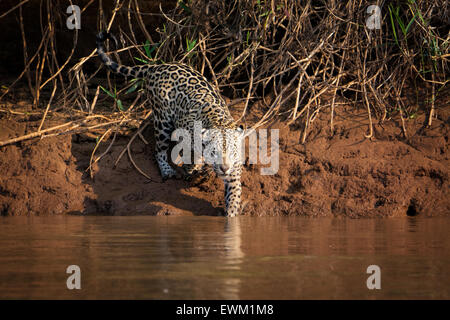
x=182 y=97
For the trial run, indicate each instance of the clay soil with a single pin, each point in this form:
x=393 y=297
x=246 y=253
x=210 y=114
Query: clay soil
x=343 y=175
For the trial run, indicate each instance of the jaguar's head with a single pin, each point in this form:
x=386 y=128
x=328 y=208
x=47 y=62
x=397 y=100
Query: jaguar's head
x=223 y=150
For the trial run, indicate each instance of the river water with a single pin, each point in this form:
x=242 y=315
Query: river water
x=146 y=257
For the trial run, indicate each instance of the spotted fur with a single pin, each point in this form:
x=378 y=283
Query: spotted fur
x=181 y=96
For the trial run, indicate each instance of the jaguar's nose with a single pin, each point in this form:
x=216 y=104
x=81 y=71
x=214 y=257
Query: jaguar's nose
x=224 y=167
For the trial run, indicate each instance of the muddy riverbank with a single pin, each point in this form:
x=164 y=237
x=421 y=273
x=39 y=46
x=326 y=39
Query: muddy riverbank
x=344 y=175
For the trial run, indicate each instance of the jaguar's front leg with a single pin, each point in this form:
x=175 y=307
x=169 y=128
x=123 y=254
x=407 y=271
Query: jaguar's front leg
x=162 y=134
x=233 y=192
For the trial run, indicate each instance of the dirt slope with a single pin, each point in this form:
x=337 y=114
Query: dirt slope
x=345 y=175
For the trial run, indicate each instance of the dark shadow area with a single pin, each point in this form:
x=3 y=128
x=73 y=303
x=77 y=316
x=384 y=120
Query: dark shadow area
x=412 y=209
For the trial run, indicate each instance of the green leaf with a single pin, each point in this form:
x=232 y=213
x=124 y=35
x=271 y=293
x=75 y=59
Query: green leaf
x=399 y=20
x=147 y=49
x=265 y=13
x=418 y=12
x=410 y=23
x=190 y=44
x=119 y=104
x=134 y=86
x=108 y=92
x=142 y=60
x=185 y=7
x=153 y=48
x=392 y=23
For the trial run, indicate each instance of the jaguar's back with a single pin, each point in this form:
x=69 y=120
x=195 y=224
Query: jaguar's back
x=181 y=98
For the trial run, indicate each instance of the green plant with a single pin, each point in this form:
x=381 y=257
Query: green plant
x=114 y=96
x=149 y=49
x=394 y=12
x=137 y=83
x=185 y=7
x=190 y=45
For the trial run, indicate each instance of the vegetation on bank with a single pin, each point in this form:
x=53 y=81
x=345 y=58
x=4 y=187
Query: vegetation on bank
x=314 y=53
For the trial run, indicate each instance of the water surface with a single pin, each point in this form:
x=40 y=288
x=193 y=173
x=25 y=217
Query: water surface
x=145 y=257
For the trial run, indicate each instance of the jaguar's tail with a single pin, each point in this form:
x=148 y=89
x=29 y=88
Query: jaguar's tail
x=136 y=71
